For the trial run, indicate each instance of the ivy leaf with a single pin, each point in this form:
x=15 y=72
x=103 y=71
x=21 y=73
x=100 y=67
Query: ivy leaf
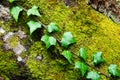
x=33 y=11
x=48 y=40
x=93 y=75
x=83 y=68
x=67 y=39
x=33 y=26
x=11 y=1
x=52 y=27
x=82 y=53
x=113 y=70
x=97 y=58
x=67 y=55
x=15 y=11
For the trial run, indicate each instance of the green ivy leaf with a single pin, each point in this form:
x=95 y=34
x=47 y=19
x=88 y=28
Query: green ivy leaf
x=15 y=11
x=67 y=39
x=67 y=55
x=113 y=70
x=33 y=11
x=93 y=75
x=33 y=26
x=52 y=27
x=83 y=68
x=48 y=40
x=97 y=58
x=82 y=53
x=11 y=1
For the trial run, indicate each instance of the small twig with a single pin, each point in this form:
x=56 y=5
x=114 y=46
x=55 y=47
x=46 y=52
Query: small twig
x=90 y=65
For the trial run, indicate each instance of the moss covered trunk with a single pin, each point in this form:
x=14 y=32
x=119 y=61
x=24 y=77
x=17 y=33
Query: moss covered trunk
x=90 y=29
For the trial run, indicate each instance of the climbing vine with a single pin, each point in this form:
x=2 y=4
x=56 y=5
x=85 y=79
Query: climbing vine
x=65 y=42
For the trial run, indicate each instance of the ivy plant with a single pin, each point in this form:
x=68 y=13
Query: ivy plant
x=68 y=55
x=97 y=58
x=82 y=53
x=93 y=75
x=33 y=11
x=48 y=40
x=11 y=1
x=15 y=11
x=52 y=27
x=113 y=70
x=82 y=66
x=67 y=39
x=33 y=25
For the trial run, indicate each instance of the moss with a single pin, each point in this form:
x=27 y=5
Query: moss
x=8 y=66
x=5 y=26
x=91 y=29
x=13 y=41
x=49 y=68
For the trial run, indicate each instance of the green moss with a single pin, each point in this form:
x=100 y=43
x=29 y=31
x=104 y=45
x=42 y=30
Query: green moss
x=49 y=68
x=13 y=41
x=91 y=29
x=5 y=26
x=8 y=65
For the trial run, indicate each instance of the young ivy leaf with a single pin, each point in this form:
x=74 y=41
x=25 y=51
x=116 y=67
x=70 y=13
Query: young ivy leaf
x=67 y=39
x=52 y=27
x=93 y=75
x=97 y=58
x=48 y=40
x=67 y=55
x=83 y=68
x=82 y=53
x=33 y=11
x=33 y=26
x=11 y=1
x=15 y=11
x=113 y=70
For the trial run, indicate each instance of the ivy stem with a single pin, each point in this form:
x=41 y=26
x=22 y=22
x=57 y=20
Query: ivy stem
x=90 y=65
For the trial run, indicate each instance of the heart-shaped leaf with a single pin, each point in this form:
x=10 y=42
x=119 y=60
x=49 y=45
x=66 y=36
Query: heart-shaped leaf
x=15 y=11
x=82 y=53
x=67 y=55
x=52 y=27
x=48 y=40
x=113 y=70
x=33 y=11
x=11 y=1
x=67 y=39
x=97 y=58
x=33 y=25
x=93 y=75
x=83 y=68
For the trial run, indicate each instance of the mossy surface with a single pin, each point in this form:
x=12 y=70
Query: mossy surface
x=8 y=64
x=13 y=41
x=90 y=29
x=50 y=67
